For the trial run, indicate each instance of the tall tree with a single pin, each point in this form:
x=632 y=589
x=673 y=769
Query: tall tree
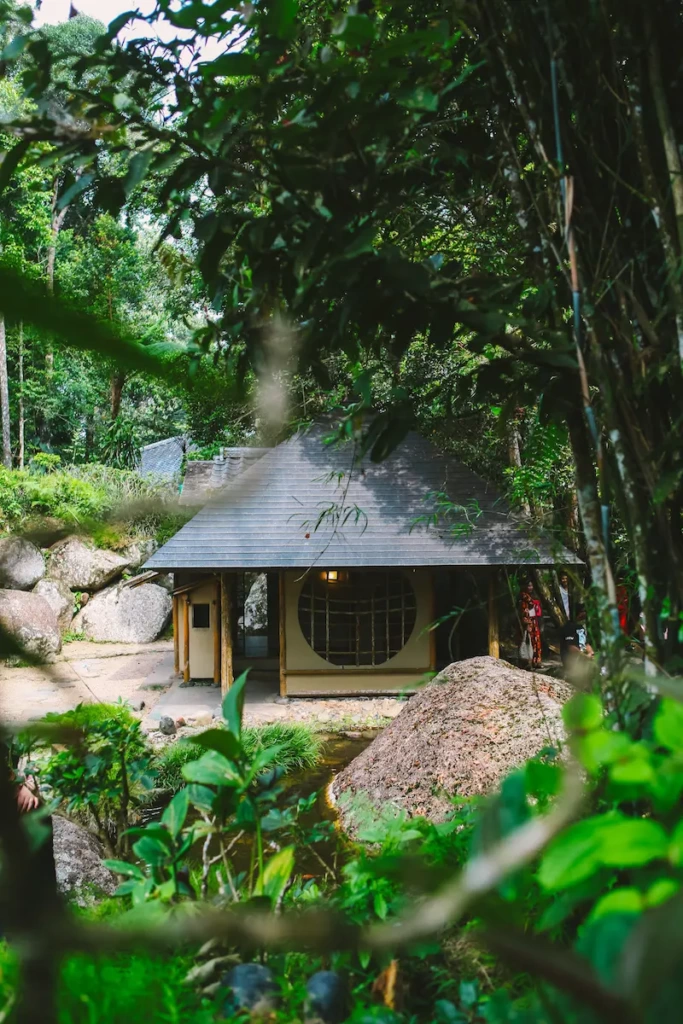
x=4 y=398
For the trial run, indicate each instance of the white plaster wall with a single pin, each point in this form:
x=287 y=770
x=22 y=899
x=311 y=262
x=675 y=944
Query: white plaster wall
x=414 y=658
x=201 y=640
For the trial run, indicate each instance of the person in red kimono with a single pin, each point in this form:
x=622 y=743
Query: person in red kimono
x=623 y=606
x=531 y=614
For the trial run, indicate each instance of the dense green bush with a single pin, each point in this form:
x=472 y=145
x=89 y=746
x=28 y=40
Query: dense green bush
x=113 y=504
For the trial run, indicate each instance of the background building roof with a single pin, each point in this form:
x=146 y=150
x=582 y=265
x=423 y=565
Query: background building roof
x=203 y=478
x=305 y=503
x=163 y=458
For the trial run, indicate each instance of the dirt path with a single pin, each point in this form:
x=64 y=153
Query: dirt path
x=86 y=672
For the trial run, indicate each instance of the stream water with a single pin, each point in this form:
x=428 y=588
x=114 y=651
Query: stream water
x=337 y=752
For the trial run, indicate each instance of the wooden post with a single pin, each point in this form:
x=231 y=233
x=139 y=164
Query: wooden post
x=283 y=636
x=186 y=638
x=494 y=636
x=176 y=636
x=432 y=632
x=217 y=636
x=227 y=676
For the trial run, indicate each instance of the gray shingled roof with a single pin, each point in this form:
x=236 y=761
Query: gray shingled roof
x=204 y=477
x=370 y=515
x=163 y=458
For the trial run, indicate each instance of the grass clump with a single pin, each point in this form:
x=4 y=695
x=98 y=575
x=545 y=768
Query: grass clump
x=301 y=749
x=130 y=988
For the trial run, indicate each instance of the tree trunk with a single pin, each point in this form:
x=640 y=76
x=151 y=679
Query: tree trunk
x=89 y=435
x=21 y=397
x=515 y=453
x=549 y=599
x=55 y=227
x=591 y=519
x=118 y=380
x=4 y=398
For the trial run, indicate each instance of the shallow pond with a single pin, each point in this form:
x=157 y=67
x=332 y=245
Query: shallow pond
x=337 y=752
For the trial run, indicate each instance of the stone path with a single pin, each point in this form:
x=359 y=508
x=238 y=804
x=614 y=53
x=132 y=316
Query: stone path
x=198 y=704
x=85 y=672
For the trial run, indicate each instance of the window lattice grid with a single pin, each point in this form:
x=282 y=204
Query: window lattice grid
x=362 y=619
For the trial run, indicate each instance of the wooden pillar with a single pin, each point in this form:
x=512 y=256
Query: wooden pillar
x=227 y=674
x=283 y=636
x=217 y=635
x=176 y=636
x=494 y=635
x=186 y=638
x=432 y=620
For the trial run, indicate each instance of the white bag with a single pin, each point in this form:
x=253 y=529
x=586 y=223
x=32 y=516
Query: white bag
x=526 y=651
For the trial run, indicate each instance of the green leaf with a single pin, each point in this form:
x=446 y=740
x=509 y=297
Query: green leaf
x=355 y=30
x=632 y=842
x=128 y=888
x=635 y=770
x=75 y=189
x=280 y=17
x=676 y=846
x=420 y=98
x=201 y=797
x=212 y=769
x=668 y=724
x=151 y=851
x=583 y=713
x=362 y=242
x=10 y=161
x=276 y=874
x=265 y=757
x=661 y=891
x=602 y=747
x=121 y=867
x=175 y=814
x=380 y=906
x=15 y=48
x=231 y=65
x=220 y=740
x=233 y=706
x=628 y=900
x=137 y=169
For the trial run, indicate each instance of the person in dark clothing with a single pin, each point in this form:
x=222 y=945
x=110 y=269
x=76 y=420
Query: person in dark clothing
x=574 y=640
x=28 y=800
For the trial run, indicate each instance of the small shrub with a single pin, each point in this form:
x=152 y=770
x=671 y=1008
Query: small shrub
x=106 y=774
x=72 y=635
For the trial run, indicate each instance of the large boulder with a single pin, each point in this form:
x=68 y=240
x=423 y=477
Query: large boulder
x=30 y=620
x=126 y=614
x=60 y=599
x=136 y=554
x=21 y=563
x=459 y=736
x=78 y=862
x=82 y=566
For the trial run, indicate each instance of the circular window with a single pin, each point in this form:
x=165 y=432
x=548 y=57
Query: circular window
x=357 y=617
